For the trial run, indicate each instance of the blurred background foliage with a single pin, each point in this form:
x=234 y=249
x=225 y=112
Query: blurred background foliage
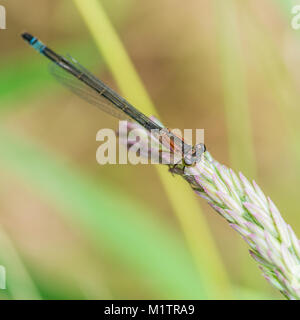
x=71 y=228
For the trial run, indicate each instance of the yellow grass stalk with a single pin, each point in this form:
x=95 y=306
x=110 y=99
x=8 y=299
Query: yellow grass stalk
x=182 y=200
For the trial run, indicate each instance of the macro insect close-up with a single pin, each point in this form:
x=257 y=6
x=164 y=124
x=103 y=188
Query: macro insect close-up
x=182 y=183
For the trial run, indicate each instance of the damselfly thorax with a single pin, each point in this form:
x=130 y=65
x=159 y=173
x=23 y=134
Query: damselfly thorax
x=185 y=152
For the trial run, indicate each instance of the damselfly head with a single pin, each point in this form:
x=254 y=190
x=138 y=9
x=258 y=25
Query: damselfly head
x=192 y=158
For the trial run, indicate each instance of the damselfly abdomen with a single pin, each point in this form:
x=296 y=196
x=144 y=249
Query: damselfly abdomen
x=82 y=82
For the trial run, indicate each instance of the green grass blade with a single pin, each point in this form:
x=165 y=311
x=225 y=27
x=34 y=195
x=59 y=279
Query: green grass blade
x=130 y=233
x=237 y=115
x=280 y=82
x=18 y=282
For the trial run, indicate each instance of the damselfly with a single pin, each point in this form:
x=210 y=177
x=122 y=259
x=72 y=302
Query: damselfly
x=82 y=82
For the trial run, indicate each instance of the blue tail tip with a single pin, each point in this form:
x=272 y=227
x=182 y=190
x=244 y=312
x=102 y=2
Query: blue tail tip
x=27 y=36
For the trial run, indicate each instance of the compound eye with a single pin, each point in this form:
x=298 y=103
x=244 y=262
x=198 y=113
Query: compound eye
x=201 y=147
x=188 y=160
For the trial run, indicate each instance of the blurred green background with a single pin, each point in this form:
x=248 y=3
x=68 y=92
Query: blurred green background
x=72 y=229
